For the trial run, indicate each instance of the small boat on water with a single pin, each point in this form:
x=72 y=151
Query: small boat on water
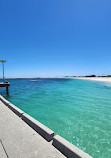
x=33 y=81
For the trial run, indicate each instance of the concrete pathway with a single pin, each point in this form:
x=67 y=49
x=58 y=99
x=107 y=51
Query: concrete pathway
x=18 y=140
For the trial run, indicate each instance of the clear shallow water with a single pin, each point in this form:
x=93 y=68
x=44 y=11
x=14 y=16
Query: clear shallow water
x=78 y=110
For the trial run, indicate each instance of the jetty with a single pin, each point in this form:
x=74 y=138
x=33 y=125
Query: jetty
x=21 y=136
x=4 y=83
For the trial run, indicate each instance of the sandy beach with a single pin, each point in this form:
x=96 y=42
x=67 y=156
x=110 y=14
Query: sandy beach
x=103 y=79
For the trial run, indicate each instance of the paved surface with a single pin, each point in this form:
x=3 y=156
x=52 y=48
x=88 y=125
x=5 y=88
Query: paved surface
x=3 y=153
x=18 y=140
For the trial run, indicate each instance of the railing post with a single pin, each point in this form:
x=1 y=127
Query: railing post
x=3 y=71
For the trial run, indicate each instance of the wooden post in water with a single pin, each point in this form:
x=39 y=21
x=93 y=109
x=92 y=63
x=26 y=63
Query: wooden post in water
x=7 y=90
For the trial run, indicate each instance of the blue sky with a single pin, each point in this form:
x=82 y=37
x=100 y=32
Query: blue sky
x=55 y=37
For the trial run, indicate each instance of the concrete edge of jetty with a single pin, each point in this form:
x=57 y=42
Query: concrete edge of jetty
x=65 y=147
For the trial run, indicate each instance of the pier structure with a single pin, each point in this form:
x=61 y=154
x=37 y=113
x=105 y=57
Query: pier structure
x=23 y=136
x=4 y=83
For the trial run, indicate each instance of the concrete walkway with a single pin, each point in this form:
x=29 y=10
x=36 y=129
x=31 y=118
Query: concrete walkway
x=18 y=140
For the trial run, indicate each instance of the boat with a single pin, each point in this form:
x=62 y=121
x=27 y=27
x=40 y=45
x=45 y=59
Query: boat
x=33 y=81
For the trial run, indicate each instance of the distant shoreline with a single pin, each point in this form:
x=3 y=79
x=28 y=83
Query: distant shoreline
x=103 y=79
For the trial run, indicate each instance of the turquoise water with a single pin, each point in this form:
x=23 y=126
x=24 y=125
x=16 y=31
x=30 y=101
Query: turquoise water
x=78 y=110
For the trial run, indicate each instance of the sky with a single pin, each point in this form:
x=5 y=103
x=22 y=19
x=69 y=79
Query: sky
x=41 y=38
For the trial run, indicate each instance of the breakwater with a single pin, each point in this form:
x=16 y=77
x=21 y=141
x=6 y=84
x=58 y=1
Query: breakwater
x=58 y=142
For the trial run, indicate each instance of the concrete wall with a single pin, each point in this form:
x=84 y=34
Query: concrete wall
x=68 y=149
x=44 y=131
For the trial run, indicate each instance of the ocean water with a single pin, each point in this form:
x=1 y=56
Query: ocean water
x=78 y=110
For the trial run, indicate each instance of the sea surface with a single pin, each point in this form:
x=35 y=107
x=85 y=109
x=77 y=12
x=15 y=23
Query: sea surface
x=78 y=110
